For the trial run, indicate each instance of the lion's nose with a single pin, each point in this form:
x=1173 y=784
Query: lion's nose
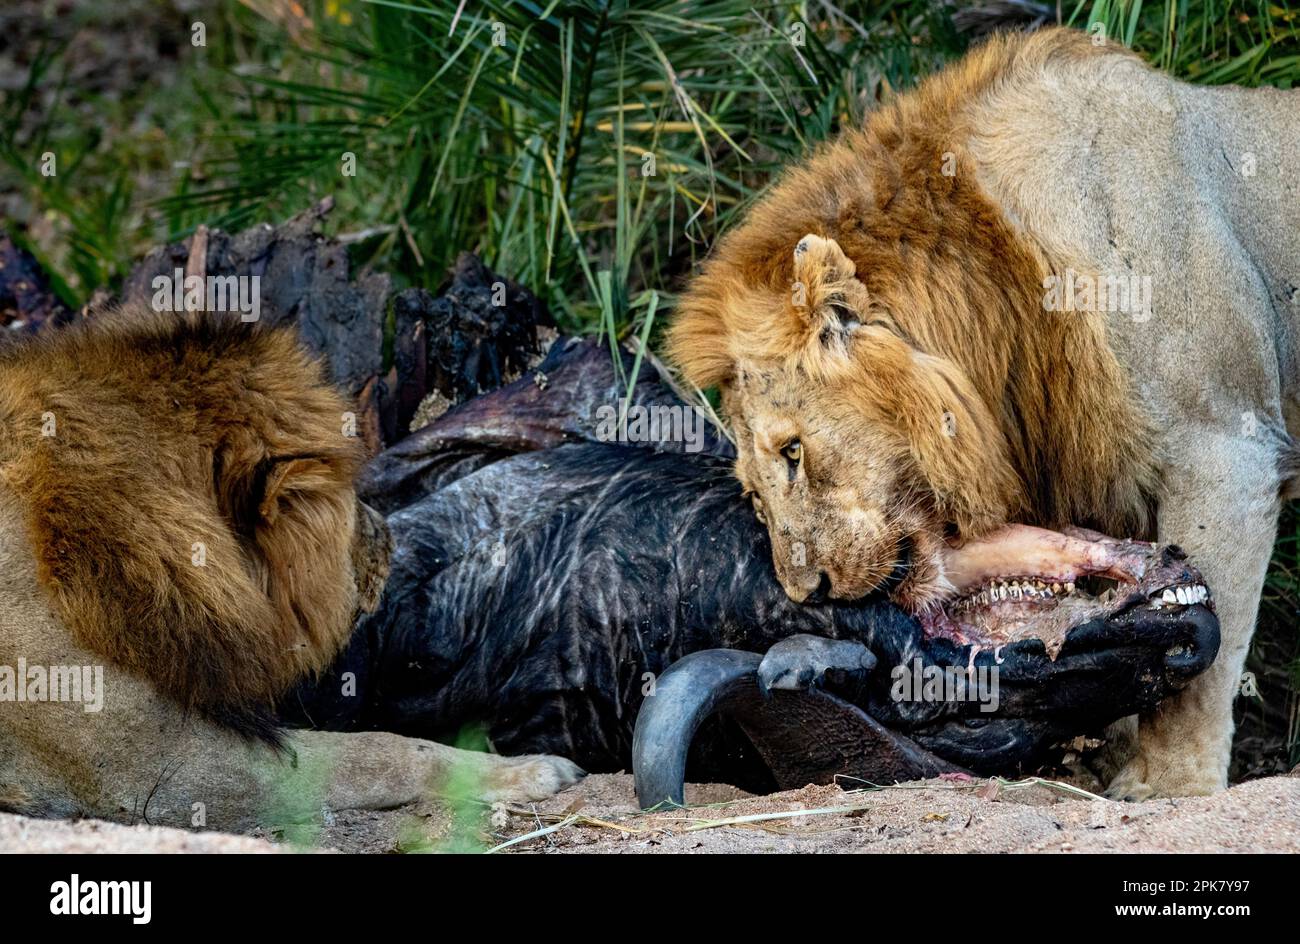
x=801 y=589
x=822 y=591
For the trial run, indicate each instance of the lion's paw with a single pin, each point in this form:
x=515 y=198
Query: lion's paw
x=529 y=778
x=1135 y=782
x=1129 y=786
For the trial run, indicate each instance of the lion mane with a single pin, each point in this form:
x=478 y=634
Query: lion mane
x=950 y=294
x=187 y=483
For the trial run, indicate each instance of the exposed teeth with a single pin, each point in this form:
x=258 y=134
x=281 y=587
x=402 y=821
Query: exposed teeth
x=1185 y=596
x=1032 y=589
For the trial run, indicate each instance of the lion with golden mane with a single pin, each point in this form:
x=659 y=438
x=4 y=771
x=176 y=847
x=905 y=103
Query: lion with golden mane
x=1052 y=286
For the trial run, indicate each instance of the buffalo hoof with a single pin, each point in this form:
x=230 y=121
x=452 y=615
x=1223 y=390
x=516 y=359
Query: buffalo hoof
x=801 y=662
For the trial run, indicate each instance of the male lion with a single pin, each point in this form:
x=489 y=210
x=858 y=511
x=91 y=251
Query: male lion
x=940 y=324
x=177 y=510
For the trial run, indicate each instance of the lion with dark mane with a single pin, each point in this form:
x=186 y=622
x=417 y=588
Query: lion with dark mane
x=903 y=371
x=177 y=510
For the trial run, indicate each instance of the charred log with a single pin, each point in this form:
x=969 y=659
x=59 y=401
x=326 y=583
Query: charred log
x=27 y=302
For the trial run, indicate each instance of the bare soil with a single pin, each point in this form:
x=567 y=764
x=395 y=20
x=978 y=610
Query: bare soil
x=600 y=815
x=931 y=816
x=21 y=834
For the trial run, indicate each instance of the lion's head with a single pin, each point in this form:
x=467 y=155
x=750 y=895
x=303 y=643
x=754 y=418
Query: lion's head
x=191 y=507
x=878 y=331
x=861 y=452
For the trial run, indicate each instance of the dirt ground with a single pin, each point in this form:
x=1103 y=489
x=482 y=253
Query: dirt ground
x=20 y=834
x=933 y=816
x=600 y=815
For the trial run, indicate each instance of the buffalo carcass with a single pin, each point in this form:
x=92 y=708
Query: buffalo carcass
x=551 y=565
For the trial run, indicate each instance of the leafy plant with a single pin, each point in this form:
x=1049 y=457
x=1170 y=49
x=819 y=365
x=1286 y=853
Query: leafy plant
x=590 y=148
x=1211 y=42
x=44 y=167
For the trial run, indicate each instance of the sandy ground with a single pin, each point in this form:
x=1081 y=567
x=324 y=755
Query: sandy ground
x=934 y=816
x=21 y=834
x=599 y=815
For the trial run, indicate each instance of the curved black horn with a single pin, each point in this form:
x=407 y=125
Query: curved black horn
x=692 y=689
x=808 y=736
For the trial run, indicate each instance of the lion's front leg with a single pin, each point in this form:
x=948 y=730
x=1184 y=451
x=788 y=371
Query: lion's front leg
x=375 y=770
x=1222 y=507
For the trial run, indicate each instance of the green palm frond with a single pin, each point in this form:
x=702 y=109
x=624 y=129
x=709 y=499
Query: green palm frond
x=1214 y=42
x=560 y=140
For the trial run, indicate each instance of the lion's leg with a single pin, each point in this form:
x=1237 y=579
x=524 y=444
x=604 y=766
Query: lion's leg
x=140 y=760
x=1222 y=507
x=126 y=753
x=120 y=750
x=378 y=770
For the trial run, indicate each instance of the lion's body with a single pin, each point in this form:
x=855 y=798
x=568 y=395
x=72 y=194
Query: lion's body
x=959 y=208
x=177 y=510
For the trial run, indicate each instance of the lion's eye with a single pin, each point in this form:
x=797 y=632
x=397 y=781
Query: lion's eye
x=793 y=450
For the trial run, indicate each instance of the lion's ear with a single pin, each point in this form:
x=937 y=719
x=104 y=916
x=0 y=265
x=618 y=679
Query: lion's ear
x=290 y=480
x=821 y=258
x=303 y=513
x=827 y=299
